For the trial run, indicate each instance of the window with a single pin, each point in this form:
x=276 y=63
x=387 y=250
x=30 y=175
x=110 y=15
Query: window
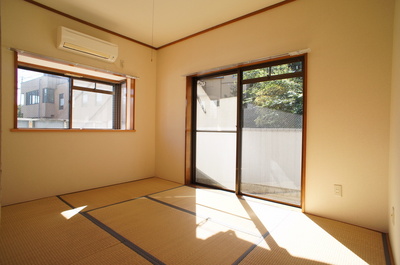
x=32 y=97
x=87 y=99
x=48 y=95
x=61 y=101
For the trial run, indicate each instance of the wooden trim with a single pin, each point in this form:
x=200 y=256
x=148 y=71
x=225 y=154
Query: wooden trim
x=132 y=92
x=168 y=44
x=15 y=90
x=76 y=75
x=239 y=131
x=233 y=67
x=92 y=90
x=271 y=78
x=228 y=22
x=188 y=131
x=87 y=23
x=70 y=99
x=69 y=130
x=304 y=136
x=389 y=248
x=211 y=131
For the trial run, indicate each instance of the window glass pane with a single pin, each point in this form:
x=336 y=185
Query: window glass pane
x=105 y=87
x=272 y=139
x=216 y=159
x=36 y=103
x=216 y=103
x=273 y=104
x=61 y=101
x=286 y=68
x=85 y=84
x=123 y=106
x=90 y=111
x=48 y=95
x=256 y=73
x=280 y=69
x=94 y=85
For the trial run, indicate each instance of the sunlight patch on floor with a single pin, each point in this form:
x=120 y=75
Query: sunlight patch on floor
x=71 y=213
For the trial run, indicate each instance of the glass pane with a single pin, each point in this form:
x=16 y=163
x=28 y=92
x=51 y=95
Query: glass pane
x=272 y=139
x=256 y=73
x=286 y=68
x=123 y=106
x=104 y=87
x=38 y=100
x=216 y=149
x=216 y=103
x=85 y=84
x=273 y=70
x=92 y=110
x=216 y=159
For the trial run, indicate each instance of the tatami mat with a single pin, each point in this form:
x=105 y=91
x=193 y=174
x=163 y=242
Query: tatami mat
x=154 y=221
x=225 y=208
x=115 y=255
x=174 y=236
x=101 y=197
x=301 y=240
x=36 y=233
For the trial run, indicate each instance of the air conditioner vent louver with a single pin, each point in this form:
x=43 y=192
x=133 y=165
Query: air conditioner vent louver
x=83 y=44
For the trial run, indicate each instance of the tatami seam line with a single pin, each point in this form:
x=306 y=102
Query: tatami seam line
x=116 y=203
x=205 y=217
x=119 y=237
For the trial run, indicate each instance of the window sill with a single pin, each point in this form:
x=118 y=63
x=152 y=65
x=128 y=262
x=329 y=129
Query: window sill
x=69 y=130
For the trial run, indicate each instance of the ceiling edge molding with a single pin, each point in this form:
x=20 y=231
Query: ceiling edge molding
x=87 y=23
x=228 y=22
x=168 y=44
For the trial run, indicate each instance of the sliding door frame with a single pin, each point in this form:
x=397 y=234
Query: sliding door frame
x=190 y=125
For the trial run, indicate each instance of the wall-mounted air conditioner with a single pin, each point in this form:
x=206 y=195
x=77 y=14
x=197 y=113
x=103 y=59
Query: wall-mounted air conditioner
x=76 y=42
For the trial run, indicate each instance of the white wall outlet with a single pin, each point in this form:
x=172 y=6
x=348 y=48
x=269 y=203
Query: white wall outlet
x=338 y=190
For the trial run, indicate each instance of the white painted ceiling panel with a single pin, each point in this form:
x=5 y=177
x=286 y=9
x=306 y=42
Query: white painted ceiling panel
x=157 y=22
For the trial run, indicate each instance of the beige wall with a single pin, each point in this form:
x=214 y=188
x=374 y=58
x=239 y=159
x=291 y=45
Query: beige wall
x=349 y=84
x=394 y=170
x=349 y=81
x=36 y=164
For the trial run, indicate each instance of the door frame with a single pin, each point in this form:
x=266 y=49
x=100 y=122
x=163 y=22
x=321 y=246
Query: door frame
x=190 y=127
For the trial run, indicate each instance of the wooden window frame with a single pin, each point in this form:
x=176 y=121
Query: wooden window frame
x=130 y=98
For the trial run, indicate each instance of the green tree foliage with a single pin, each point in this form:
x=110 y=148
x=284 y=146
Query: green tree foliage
x=273 y=101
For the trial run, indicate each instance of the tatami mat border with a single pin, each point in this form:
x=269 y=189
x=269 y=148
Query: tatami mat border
x=116 y=184
x=205 y=217
x=247 y=252
x=156 y=261
x=116 y=203
x=119 y=237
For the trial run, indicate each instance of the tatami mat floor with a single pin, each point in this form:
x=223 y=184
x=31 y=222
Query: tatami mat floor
x=154 y=221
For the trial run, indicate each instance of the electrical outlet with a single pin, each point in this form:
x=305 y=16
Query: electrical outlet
x=338 y=190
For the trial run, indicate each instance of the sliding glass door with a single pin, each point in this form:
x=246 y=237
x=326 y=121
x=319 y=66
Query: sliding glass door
x=249 y=130
x=216 y=116
x=272 y=131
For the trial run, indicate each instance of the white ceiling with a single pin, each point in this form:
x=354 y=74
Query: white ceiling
x=172 y=20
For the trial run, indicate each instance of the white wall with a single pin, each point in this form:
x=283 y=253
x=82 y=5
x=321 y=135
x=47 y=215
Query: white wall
x=394 y=170
x=349 y=85
x=40 y=164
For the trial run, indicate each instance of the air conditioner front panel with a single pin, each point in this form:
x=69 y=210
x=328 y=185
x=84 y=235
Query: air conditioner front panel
x=83 y=44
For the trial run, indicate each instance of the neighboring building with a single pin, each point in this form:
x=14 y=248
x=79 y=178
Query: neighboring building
x=44 y=102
